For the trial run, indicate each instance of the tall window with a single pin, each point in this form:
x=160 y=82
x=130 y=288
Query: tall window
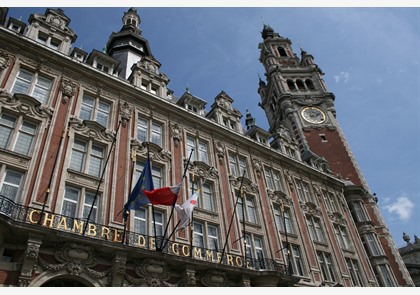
x=200 y=150
x=238 y=166
x=16 y=134
x=144 y=226
x=371 y=245
x=95 y=109
x=358 y=211
x=156 y=174
x=330 y=201
x=354 y=270
x=205 y=197
x=273 y=180
x=87 y=157
x=249 y=211
x=33 y=84
x=206 y=236
x=342 y=237
x=383 y=274
x=78 y=203
x=254 y=251
x=10 y=184
x=296 y=261
x=283 y=221
x=327 y=267
x=148 y=131
x=315 y=228
x=303 y=191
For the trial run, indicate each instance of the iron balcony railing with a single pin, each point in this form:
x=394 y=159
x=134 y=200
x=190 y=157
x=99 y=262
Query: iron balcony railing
x=38 y=218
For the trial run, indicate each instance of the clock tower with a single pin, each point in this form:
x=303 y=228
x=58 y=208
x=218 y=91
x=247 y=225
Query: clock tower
x=295 y=98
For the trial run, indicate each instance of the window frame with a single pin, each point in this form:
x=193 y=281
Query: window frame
x=96 y=113
x=237 y=165
x=283 y=222
x=149 y=130
x=81 y=203
x=199 y=154
x=149 y=222
x=315 y=228
x=5 y=169
x=32 y=86
x=14 y=138
x=206 y=237
x=327 y=268
x=205 y=196
x=250 y=209
x=88 y=155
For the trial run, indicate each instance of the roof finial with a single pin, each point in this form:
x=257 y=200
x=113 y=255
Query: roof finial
x=187 y=89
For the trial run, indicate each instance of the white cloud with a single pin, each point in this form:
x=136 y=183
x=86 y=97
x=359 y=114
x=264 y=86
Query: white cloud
x=343 y=76
x=403 y=207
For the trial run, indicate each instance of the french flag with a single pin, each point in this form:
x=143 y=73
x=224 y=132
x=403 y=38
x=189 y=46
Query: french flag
x=164 y=196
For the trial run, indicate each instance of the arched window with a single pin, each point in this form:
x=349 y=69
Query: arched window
x=291 y=85
x=281 y=50
x=300 y=85
x=310 y=84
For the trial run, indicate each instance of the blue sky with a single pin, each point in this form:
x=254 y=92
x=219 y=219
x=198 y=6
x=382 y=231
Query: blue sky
x=370 y=57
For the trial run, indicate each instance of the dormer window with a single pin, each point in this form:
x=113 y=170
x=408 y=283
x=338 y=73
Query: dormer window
x=15 y=27
x=49 y=41
x=102 y=67
x=43 y=39
x=192 y=108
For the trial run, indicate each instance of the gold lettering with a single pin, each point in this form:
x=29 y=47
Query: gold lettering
x=239 y=261
x=187 y=252
x=175 y=249
x=197 y=252
x=31 y=215
x=105 y=232
x=92 y=230
x=209 y=255
x=62 y=223
x=230 y=259
x=247 y=263
x=116 y=236
x=50 y=219
x=141 y=241
x=152 y=243
x=219 y=257
x=77 y=225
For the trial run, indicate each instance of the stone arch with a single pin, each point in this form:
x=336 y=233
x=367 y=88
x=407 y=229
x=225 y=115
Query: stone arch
x=62 y=277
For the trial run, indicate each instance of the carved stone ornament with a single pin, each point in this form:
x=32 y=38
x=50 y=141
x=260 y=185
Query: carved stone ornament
x=310 y=208
x=68 y=89
x=176 y=131
x=156 y=152
x=126 y=111
x=25 y=104
x=5 y=59
x=92 y=129
x=247 y=185
x=153 y=273
x=257 y=166
x=214 y=278
x=189 y=279
x=201 y=169
x=220 y=151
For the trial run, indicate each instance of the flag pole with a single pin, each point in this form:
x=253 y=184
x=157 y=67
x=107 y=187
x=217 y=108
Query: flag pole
x=52 y=174
x=243 y=221
x=126 y=213
x=289 y=266
x=191 y=221
x=233 y=214
x=173 y=205
x=102 y=176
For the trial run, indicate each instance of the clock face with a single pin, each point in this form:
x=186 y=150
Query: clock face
x=313 y=115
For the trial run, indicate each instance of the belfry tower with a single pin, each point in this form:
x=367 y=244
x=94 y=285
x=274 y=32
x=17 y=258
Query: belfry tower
x=296 y=100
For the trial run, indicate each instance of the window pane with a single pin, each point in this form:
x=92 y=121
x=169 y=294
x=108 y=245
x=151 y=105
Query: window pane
x=103 y=114
x=203 y=157
x=140 y=221
x=95 y=166
x=23 y=81
x=71 y=198
x=86 y=110
x=142 y=130
x=7 y=124
x=157 y=134
x=89 y=198
x=78 y=155
x=233 y=168
x=207 y=196
x=42 y=89
x=24 y=141
x=11 y=184
x=251 y=210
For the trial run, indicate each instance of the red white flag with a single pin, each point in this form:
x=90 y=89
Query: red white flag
x=164 y=196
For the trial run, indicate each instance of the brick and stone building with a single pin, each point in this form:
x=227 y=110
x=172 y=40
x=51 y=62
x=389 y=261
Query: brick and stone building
x=288 y=206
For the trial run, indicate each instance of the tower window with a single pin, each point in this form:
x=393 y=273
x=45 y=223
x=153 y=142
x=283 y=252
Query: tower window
x=323 y=138
x=281 y=50
x=291 y=85
x=300 y=85
x=310 y=84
